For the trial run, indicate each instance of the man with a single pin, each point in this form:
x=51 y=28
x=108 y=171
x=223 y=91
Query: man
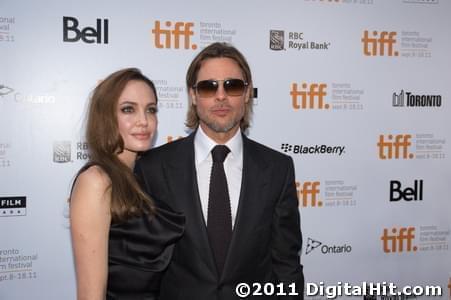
x=240 y=201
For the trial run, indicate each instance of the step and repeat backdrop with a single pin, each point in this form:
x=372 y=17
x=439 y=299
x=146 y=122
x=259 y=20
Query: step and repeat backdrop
x=355 y=91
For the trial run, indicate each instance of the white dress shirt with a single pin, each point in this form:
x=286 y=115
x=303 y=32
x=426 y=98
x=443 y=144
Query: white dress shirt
x=233 y=167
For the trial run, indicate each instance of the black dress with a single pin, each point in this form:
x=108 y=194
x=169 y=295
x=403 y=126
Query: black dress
x=140 y=250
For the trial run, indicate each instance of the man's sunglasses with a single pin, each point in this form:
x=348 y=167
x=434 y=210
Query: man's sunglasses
x=232 y=87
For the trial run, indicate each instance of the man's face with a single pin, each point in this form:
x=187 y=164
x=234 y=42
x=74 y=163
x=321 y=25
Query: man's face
x=220 y=112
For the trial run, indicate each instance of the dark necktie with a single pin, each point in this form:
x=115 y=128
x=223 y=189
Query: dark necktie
x=219 y=222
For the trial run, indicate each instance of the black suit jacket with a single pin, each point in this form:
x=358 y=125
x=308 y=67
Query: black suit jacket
x=266 y=237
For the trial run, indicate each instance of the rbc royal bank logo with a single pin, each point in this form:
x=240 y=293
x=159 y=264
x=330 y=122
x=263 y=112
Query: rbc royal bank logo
x=61 y=151
x=276 y=40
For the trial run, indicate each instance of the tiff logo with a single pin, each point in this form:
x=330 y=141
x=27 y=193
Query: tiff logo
x=315 y=94
x=380 y=44
x=414 y=193
x=309 y=194
x=171 y=36
x=389 y=149
x=89 y=35
x=399 y=240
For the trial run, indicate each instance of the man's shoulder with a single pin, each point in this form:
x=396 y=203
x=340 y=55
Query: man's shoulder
x=266 y=151
x=166 y=151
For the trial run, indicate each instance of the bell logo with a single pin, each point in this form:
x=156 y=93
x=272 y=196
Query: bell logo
x=408 y=194
x=315 y=94
x=389 y=149
x=399 y=240
x=379 y=43
x=88 y=35
x=309 y=194
x=171 y=37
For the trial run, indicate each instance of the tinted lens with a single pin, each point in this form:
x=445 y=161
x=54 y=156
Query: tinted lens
x=234 y=87
x=207 y=88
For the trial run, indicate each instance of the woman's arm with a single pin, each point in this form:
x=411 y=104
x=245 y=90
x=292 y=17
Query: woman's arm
x=90 y=219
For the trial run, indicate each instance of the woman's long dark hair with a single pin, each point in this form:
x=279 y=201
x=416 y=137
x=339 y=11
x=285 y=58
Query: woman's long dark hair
x=105 y=143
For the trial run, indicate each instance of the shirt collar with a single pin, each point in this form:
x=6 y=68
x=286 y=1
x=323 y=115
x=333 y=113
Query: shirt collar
x=204 y=144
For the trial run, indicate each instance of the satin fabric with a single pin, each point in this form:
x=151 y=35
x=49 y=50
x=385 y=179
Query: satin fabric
x=140 y=250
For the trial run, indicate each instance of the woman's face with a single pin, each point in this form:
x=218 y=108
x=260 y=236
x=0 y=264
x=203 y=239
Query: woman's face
x=137 y=116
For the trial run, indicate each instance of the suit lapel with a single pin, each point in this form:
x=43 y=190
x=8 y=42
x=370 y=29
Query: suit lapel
x=182 y=180
x=256 y=174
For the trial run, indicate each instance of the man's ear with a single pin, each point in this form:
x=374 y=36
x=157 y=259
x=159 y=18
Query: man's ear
x=192 y=94
x=248 y=93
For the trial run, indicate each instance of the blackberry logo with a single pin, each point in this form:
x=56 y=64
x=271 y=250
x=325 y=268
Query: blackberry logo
x=276 y=40
x=315 y=149
x=286 y=147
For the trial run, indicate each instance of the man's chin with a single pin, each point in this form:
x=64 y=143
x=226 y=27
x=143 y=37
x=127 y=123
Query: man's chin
x=221 y=128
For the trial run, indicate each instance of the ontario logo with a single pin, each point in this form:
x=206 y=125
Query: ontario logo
x=325 y=249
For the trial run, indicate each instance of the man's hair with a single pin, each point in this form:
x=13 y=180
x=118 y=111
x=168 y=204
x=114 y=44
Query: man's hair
x=218 y=50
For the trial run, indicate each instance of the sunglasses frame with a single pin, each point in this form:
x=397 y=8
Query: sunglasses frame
x=215 y=83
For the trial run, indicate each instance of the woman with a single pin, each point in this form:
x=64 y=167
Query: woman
x=122 y=240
